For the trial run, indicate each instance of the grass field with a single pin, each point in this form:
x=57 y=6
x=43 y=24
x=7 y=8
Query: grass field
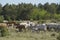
x=30 y=36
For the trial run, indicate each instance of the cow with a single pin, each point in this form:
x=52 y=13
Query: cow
x=2 y=25
x=20 y=27
x=52 y=26
x=10 y=24
x=24 y=25
x=27 y=24
x=39 y=27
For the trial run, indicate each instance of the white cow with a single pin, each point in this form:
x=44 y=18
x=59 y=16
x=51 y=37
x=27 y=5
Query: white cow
x=28 y=24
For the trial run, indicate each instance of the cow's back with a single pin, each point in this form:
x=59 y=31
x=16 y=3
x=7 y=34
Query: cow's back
x=3 y=25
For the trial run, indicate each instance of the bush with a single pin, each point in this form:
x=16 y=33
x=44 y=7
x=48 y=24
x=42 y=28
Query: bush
x=3 y=31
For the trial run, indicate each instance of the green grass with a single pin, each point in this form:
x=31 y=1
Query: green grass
x=30 y=36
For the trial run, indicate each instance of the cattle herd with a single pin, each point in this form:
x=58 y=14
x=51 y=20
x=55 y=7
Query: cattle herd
x=32 y=26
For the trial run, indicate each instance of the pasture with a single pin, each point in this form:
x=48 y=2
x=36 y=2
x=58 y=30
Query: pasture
x=30 y=35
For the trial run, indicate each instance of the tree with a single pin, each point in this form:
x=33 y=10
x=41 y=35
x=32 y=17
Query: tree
x=38 y=14
x=53 y=8
x=0 y=9
x=58 y=9
x=40 y=6
x=46 y=6
x=24 y=11
x=35 y=14
x=9 y=11
x=1 y=18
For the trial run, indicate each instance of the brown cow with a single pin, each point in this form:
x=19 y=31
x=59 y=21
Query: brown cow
x=10 y=24
x=20 y=27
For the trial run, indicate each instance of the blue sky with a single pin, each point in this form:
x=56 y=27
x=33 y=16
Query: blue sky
x=3 y=2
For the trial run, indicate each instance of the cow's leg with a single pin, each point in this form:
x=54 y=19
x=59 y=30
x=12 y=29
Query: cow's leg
x=20 y=30
x=48 y=28
x=24 y=29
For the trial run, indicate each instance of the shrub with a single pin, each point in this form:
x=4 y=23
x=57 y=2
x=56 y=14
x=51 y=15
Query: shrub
x=3 y=31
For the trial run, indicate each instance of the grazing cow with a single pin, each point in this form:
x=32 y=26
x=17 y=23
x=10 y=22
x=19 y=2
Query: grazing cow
x=3 y=25
x=20 y=27
x=39 y=27
x=27 y=24
x=51 y=26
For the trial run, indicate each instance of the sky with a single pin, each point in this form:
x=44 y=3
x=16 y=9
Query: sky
x=3 y=2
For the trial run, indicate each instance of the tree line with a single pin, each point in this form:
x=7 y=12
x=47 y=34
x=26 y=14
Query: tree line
x=29 y=11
